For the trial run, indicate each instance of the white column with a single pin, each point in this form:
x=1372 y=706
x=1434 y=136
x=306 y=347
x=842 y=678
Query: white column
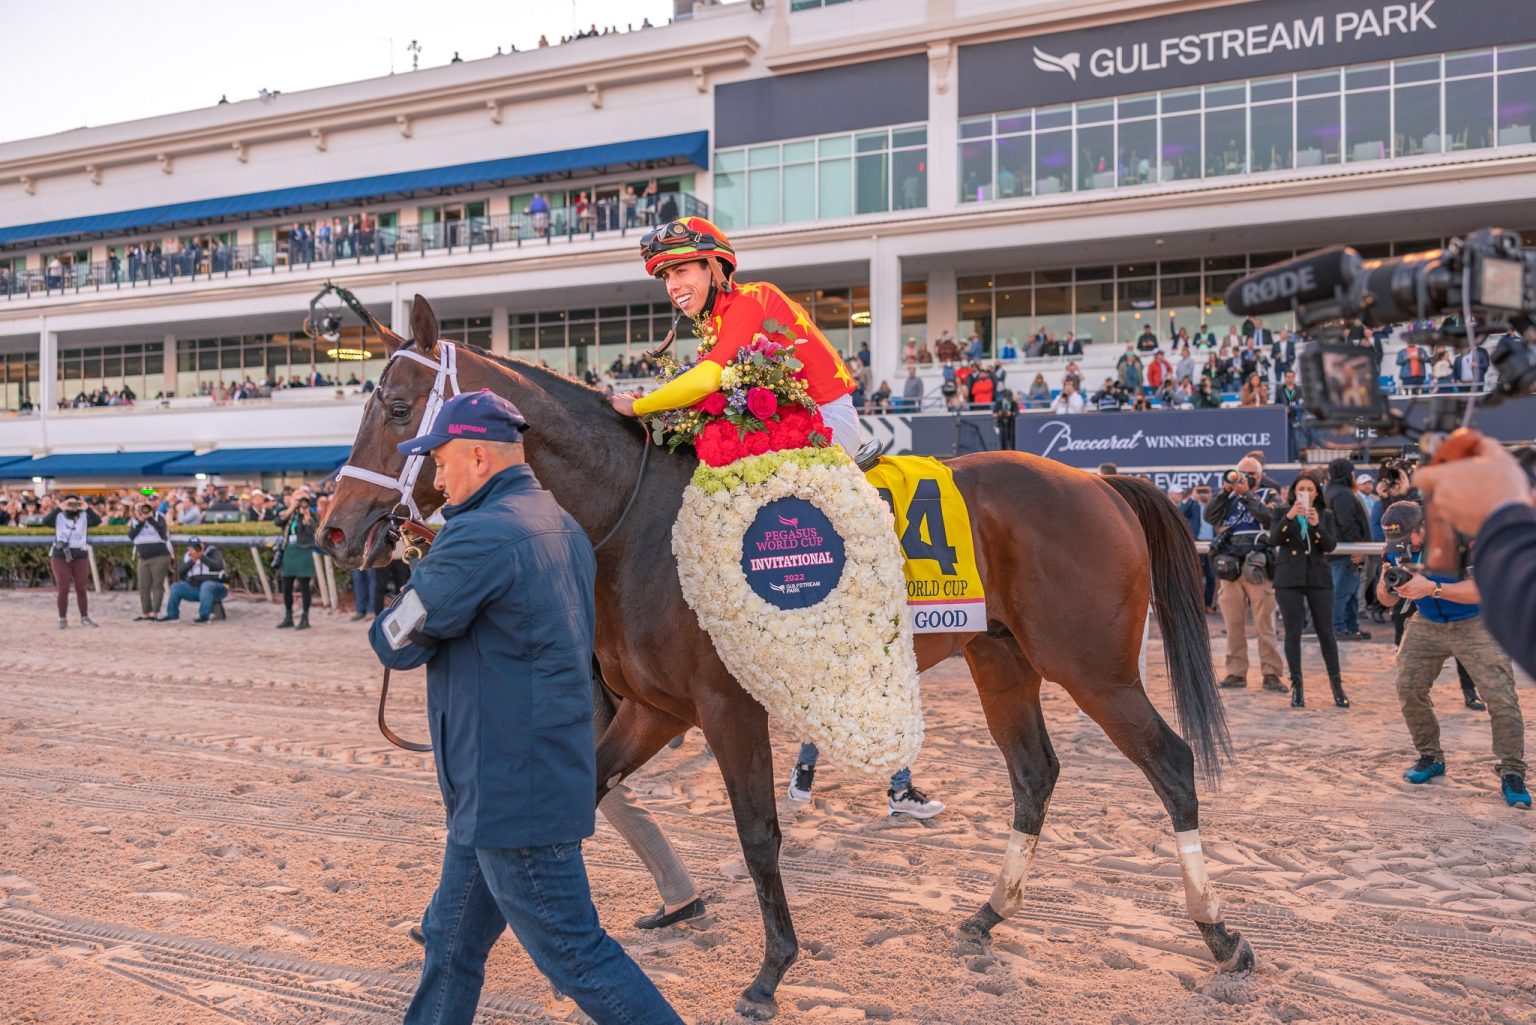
x=501 y=342
x=885 y=313
x=943 y=127
x=47 y=397
x=172 y=369
x=942 y=296
x=399 y=312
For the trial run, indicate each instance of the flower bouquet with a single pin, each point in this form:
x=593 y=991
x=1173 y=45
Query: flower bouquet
x=762 y=406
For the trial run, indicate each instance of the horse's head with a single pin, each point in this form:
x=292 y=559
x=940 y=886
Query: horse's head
x=356 y=530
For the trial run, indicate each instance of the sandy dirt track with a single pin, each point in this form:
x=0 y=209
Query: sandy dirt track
x=201 y=824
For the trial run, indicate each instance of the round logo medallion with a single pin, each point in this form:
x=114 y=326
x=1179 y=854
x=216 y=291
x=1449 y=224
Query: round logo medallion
x=791 y=555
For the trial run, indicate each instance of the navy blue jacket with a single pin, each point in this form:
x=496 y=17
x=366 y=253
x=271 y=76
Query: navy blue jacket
x=1506 y=580
x=508 y=587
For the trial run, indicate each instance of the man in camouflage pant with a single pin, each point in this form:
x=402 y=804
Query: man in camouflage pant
x=1449 y=624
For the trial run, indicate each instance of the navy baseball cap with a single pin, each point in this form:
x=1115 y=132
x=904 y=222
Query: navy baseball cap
x=476 y=416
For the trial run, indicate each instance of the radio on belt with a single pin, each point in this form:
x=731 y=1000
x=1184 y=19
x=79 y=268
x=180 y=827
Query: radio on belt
x=403 y=619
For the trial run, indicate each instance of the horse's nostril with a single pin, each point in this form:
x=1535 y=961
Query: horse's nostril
x=336 y=536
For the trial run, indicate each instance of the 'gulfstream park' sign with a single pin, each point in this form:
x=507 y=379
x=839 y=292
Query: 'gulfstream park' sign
x=1248 y=40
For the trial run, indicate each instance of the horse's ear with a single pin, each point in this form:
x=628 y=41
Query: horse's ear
x=392 y=341
x=423 y=326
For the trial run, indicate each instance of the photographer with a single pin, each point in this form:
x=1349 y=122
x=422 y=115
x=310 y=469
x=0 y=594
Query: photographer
x=1448 y=623
x=1242 y=514
x=1302 y=538
x=70 y=556
x=297 y=522
x=202 y=577
x=1353 y=526
x=152 y=550
x=1490 y=496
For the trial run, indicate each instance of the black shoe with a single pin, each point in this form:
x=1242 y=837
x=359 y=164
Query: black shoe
x=303 y=623
x=663 y=917
x=1233 y=682
x=1339 y=697
x=200 y=619
x=1272 y=682
x=1473 y=701
x=218 y=611
x=358 y=615
x=416 y=935
x=286 y=624
x=1298 y=700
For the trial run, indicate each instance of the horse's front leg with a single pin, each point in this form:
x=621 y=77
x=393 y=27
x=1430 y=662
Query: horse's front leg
x=737 y=732
x=632 y=739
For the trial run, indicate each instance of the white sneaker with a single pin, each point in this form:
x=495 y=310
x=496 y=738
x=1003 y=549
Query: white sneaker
x=800 y=782
x=913 y=802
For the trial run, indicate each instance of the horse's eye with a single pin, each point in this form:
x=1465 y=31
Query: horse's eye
x=399 y=411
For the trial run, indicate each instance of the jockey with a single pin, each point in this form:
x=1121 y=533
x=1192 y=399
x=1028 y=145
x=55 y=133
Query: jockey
x=695 y=261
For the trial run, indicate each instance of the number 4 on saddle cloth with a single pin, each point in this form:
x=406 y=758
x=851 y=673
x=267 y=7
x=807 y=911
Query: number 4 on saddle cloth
x=944 y=593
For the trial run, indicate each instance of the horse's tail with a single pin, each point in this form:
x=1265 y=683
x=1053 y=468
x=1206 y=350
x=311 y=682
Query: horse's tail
x=1177 y=593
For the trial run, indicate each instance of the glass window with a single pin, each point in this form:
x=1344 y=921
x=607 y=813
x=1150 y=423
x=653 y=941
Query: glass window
x=1416 y=120
x=1425 y=69
x=1179 y=154
x=873 y=185
x=1472 y=62
x=799 y=192
x=763 y=196
x=976 y=171
x=725 y=160
x=1317 y=83
x=730 y=200
x=1137 y=152
x=1366 y=76
x=1517 y=107
x=909 y=179
x=1365 y=125
x=1053 y=162
x=1271 y=143
x=1137 y=106
x=1009 y=124
x=762 y=156
x=834 y=179
x=834 y=146
x=1469 y=113
x=1226 y=95
x=1511 y=57
x=1179 y=102
x=903 y=137
x=871 y=142
x=1319 y=131
x=1095 y=113
x=1014 y=156
x=1226 y=142
x=1053 y=117
x=798 y=151
x=1096 y=157
x=1271 y=89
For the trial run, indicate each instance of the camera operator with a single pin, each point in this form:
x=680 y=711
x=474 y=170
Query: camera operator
x=297 y=522
x=1242 y=514
x=69 y=557
x=1354 y=526
x=1490 y=496
x=152 y=549
x=202 y=577
x=1448 y=623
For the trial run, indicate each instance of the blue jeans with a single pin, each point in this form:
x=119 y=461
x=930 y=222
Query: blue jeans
x=901 y=779
x=208 y=592
x=542 y=893
x=1346 y=595
x=366 y=591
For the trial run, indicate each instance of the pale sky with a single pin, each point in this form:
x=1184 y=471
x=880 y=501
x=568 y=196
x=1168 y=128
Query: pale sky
x=97 y=62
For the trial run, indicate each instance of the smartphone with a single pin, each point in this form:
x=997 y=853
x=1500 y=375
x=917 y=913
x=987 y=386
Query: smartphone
x=1304 y=499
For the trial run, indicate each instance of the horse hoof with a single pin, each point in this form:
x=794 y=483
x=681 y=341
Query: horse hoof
x=978 y=928
x=1242 y=959
x=756 y=1008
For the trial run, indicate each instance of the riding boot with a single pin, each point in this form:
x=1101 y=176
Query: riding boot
x=303 y=622
x=287 y=622
x=1339 y=697
x=1297 y=698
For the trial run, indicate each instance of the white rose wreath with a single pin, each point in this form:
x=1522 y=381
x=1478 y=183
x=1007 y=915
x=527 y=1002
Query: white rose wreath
x=842 y=673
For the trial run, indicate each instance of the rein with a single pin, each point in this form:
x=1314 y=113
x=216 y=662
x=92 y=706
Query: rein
x=419 y=536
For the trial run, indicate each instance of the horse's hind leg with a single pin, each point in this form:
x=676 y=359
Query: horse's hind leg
x=1010 y=697
x=738 y=734
x=1131 y=721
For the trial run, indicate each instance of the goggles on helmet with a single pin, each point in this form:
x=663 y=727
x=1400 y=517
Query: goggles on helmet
x=673 y=235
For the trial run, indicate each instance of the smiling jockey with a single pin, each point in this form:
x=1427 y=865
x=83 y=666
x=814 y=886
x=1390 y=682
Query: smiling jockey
x=695 y=261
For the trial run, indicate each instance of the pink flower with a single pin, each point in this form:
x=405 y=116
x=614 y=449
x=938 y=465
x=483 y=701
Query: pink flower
x=762 y=403
x=713 y=404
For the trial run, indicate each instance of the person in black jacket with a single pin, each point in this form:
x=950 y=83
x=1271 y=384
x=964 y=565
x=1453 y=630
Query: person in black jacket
x=1353 y=526
x=1301 y=538
x=202 y=578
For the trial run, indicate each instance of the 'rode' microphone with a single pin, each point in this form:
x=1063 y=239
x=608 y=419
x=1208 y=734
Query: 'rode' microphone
x=1315 y=277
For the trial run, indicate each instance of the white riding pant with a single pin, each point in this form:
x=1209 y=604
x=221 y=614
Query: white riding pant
x=840 y=415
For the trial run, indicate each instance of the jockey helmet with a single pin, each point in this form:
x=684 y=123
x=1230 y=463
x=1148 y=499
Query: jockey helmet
x=688 y=238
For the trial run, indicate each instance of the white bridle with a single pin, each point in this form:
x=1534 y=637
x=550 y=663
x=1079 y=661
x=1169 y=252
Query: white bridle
x=447 y=369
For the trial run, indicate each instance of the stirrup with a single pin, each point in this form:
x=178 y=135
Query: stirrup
x=868 y=456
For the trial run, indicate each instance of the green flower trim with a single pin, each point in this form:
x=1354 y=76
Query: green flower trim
x=757 y=469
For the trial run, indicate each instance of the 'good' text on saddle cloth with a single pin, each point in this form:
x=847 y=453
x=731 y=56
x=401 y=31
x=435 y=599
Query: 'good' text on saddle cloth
x=944 y=592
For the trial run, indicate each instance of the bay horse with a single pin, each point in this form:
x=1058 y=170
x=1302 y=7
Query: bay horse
x=1069 y=562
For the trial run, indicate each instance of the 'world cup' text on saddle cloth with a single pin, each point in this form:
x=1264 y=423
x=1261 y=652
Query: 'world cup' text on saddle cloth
x=943 y=585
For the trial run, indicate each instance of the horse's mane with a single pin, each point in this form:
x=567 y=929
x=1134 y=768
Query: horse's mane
x=580 y=398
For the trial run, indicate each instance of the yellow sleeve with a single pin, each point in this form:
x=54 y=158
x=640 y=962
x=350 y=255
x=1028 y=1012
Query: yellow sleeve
x=683 y=390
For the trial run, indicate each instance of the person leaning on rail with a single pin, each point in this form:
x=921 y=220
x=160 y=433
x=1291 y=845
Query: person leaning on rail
x=501 y=612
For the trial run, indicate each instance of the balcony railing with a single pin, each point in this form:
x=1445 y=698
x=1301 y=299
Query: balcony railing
x=196 y=263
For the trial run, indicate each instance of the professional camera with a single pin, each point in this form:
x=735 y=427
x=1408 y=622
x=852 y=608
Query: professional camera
x=1396 y=576
x=1233 y=476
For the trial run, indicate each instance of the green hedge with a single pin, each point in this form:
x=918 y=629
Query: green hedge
x=28 y=566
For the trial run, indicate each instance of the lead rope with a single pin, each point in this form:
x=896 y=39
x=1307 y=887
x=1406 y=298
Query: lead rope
x=426 y=535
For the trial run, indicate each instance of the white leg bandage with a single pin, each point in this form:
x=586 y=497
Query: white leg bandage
x=1008 y=893
x=1199 y=895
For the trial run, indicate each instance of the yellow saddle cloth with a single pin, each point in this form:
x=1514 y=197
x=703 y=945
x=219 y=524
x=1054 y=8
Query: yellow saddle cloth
x=944 y=592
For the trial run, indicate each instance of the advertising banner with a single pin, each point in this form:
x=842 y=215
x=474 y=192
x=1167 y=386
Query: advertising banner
x=1245 y=40
x=1202 y=437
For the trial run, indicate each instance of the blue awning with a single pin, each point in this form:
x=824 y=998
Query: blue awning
x=258 y=460
x=93 y=464
x=690 y=146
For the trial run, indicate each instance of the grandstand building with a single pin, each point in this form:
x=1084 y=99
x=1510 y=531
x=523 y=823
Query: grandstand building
x=903 y=167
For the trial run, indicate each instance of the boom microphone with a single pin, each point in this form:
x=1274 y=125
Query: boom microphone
x=1314 y=277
